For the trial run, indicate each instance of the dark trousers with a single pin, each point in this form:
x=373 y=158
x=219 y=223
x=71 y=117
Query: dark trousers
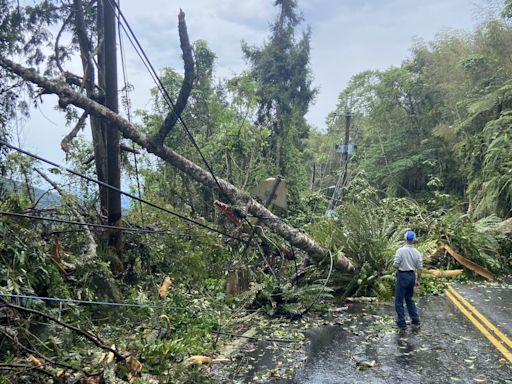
x=404 y=290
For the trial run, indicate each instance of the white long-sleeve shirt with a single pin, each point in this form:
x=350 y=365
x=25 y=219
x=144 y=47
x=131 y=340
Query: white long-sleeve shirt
x=408 y=258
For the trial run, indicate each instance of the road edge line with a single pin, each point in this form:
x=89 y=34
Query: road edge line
x=482 y=318
x=504 y=351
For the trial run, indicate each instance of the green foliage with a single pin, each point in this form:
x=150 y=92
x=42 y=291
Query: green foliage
x=288 y=300
x=280 y=69
x=369 y=235
x=370 y=240
x=439 y=122
x=507 y=9
x=170 y=336
x=432 y=286
x=488 y=154
x=219 y=116
x=27 y=266
x=478 y=241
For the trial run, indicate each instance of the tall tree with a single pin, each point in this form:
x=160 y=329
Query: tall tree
x=283 y=77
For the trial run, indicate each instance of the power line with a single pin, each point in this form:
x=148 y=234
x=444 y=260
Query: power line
x=154 y=75
x=130 y=305
x=323 y=287
x=114 y=304
x=129 y=113
x=92 y=225
x=106 y=185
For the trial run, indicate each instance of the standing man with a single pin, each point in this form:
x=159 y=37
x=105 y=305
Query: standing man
x=407 y=260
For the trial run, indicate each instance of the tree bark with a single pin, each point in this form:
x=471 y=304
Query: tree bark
x=129 y=131
x=98 y=133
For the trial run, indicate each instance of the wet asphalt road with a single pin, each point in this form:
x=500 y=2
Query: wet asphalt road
x=494 y=302
x=447 y=348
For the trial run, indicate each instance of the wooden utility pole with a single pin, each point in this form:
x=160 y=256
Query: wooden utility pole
x=111 y=102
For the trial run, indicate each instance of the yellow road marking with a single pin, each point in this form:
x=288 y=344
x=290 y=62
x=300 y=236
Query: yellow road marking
x=480 y=327
x=484 y=320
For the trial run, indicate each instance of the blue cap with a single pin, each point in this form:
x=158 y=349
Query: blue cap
x=410 y=236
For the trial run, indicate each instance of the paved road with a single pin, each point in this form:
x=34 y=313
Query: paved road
x=447 y=349
x=495 y=302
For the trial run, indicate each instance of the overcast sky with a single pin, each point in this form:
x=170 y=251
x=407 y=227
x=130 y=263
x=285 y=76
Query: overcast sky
x=348 y=36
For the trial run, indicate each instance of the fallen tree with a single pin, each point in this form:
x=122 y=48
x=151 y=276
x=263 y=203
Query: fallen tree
x=155 y=145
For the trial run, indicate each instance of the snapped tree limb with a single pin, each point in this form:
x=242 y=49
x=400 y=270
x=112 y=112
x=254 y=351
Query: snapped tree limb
x=86 y=334
x=186 y=86
x=68 y=96
x=66 y=141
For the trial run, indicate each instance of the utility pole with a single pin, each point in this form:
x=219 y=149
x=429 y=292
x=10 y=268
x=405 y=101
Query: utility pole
x=346 y=149
x=111 y=102
x=348 y=120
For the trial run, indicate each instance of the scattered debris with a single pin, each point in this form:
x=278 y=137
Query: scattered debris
x=441 y=274
x=163 y=290
x=362 y=299
x=364 y=365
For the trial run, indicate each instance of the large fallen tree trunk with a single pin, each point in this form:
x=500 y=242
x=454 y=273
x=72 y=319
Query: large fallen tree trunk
x=69 y=96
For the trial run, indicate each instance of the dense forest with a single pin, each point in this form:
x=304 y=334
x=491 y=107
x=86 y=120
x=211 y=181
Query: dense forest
x=93 y=290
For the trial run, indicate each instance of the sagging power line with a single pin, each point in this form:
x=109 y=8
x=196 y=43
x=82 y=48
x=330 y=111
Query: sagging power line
x=93 y=225
x=115 y=304
x=106 y=185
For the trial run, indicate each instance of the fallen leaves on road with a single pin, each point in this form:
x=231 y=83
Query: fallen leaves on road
x=364 y=365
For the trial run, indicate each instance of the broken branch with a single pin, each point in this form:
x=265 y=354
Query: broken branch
x=91 y=253
x=89 y=336
x=186 y=86
x=66 y=141
x=37 y=353
x=27 y=367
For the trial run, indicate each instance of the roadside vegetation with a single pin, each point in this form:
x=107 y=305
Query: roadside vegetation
x=433 y=155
